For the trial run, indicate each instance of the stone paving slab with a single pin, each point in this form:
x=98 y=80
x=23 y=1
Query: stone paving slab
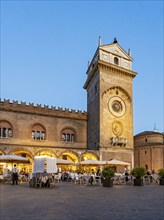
x=67 y=201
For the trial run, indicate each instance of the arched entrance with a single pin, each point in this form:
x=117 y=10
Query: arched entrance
x=23 y=167
x=89 y=155
x=2 y=153
x=70 y=156
x=46 y=152
x=1 y=164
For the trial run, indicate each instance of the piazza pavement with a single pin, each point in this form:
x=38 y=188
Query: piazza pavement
x=67 y=201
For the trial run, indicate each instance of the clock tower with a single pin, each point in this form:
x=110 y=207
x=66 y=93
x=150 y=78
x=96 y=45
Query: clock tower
x=110 y=103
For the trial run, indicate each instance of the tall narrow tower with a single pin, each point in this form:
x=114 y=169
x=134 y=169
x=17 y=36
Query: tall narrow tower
x=109 y=103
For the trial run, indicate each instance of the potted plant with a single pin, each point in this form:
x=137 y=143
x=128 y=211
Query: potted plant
x=138 y=173
x=161 y=176
x=107 y=175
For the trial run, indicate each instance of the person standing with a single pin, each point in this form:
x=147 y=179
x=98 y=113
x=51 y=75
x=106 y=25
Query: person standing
x=15 y=174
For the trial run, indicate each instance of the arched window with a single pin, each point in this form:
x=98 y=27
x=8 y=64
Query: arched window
x=116 y=61
x=38 y=132
x=146 y=166
x=68 y=135
x=5 y=129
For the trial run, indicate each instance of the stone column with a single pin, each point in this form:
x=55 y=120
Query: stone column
x=7 y=133
x=132 y=166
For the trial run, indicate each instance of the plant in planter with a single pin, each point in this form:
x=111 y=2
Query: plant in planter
x=107 y=175
x=138 y=173
x=161 y=176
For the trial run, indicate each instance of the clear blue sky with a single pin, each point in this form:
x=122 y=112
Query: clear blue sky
x=46 y=45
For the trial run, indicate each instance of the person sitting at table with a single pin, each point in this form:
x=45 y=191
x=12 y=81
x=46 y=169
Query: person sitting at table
x=98 y=173
x=63 y=176
x=126 y=176
x=45 y=181
x=91 y=177
x=72 y=175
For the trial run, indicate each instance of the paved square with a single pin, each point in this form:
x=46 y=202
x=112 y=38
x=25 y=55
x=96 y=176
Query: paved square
x=67 y=201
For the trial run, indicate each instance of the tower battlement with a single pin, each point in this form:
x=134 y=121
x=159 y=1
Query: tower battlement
x=53 y=111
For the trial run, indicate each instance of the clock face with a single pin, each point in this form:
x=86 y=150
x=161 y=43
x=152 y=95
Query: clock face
x=117 y=106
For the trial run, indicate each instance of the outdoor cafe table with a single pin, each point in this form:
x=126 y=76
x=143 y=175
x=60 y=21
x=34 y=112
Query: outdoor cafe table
x=42 y=180
x=84 y=179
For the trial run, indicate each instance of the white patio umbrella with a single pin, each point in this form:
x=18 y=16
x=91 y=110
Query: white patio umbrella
x=92 y=162
x=62 y=161
x=117 y=162
x=12 y=158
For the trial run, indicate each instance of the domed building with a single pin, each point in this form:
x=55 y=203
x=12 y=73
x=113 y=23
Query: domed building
x=149 y=150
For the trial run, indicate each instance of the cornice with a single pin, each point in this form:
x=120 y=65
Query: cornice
x=116 y=69
x=41 y=147
x=114 y=149
x=108 y=67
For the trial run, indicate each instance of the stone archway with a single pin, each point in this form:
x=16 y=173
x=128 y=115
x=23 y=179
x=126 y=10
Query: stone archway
x=89 y=155
x=26 y=168
x=2 y=152
x=22 y=152
x=69 y=155
x=1 y=164
x=46 y=152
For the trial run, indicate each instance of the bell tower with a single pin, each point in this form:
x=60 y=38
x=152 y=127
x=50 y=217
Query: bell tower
x=110 y=102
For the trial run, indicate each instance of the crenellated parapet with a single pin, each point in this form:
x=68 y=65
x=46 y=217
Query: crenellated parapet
x=30 y=108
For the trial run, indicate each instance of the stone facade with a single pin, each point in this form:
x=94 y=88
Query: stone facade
x=149 y=150
x=109 y=103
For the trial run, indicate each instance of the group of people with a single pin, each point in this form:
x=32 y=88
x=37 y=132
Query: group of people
x=72 y=175
x=152 y=176
x=97 y=174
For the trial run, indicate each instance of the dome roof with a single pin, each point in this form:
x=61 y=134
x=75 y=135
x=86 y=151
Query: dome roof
x=148 y=133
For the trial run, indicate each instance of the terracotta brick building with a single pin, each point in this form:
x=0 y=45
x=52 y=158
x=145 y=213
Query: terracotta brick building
x=29 y=131
x=149 y=150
